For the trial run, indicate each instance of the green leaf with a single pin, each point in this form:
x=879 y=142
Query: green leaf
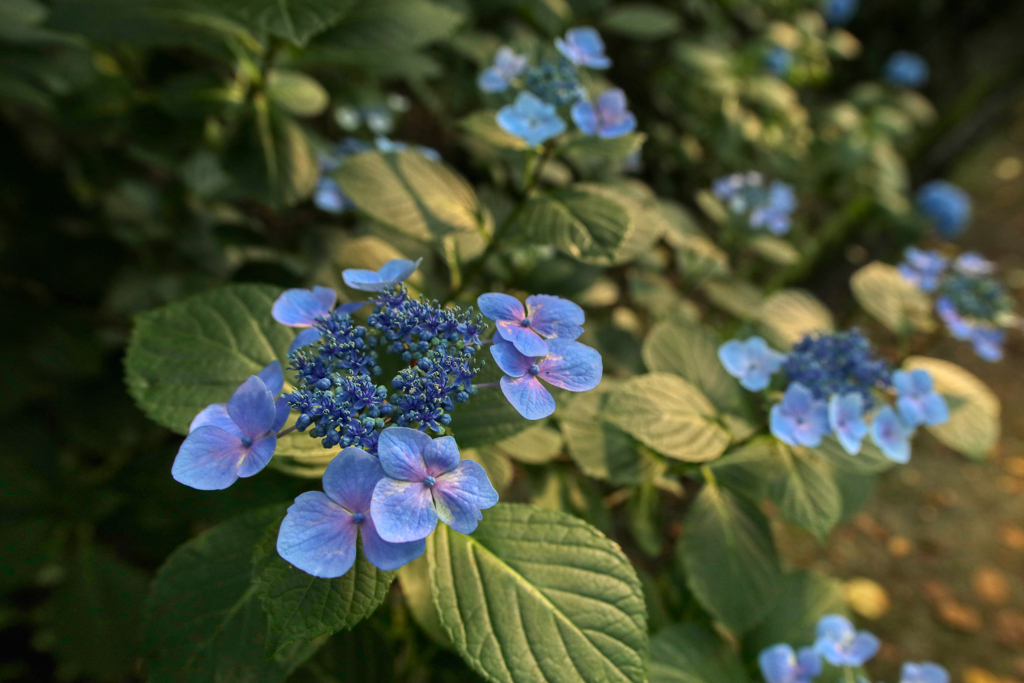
x=804 y=597
x=974 y=411
x=366 y=654
x=692 y=353
x=729 y=558
x=409 y=193
x=539 y=595
x=870 y=460
x=487 y=417
x=583 y=222
x=740 y=298
x=189 y=354
x=203 y=622
x=776 y=250
x=301 y=607
x=297 y=93
x=889 y=298
x=641 y=21
x=806 y=492
x=601 y=450
x=591 y=154
x=668 y=414
x=535 y=445
x=790 y=314
x=693 y=653
x=483 y=127
x=293 y=20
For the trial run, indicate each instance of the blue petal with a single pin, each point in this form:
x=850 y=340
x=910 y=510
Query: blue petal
x=936 y=410
x=528 y=396
x=612 y=103
x=782 y=426
x=798 y=399
x=304 y=338
x=252 y=407
x=496 y=307
x=809 y=662
x=523 y=338
x=388 y=556
x=509 y=360
x=846 y=418
x=318 y=536
x=215 y=415
x=350 y=308
x=282 y=411
x=351 y=477
x=627 y=124
x=403 y=511
x=273 y=377
x=584 y=115
x=924 y=672
x=733 y=355
x=301 y=307
x=864 y=646
x=258 y=454
x=571 y=365
x=208 y=459
x=461 y=494
x=778 y=664
x=398 y=270
x=891 y=436
x=441 y=455
x=400 y=450
x=491 y=80
x=835 y=628
x=553 y=316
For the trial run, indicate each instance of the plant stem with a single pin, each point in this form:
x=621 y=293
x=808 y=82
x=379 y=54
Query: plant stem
x=286 y=431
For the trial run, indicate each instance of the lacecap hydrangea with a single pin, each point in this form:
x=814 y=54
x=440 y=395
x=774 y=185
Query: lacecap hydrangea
x=834 y=385
x=763 y=206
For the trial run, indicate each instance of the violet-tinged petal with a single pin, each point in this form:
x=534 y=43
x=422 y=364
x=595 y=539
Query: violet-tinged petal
x=351 y=307
x=301 y=307
x=258 y=454
x=441 y=455
x=304 y=338
x=273 y=377
x=528 y=396
x=252 y=407
x=318 y=536
x=282 y=410
x=400 y=450
x=215 y=415
x=863 y=647
x=809 y=662
x=846 y=418
x=553 y=316
x=390 y=274
x=461 y=494
x=584 y=115
x=509 y=360
x=491 y=80
x=208 y=459
x=495 y=306
x=626 y=124
x=778 y=664
x=571 y=365
x=403 y=511
x=350 y=478
x=523 y=338
x=891 y=436
x=923 y=672
x=388 y=556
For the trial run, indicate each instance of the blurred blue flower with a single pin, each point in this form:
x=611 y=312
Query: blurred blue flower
x=891 y=435
x=318 y=534
x=846 y=418
x=329 y=197
x=609 y=119
x=779 y=61
x=923 y=268
x=947 y=205
x=841 y=644
x=774 y=213
x=916 y=399
x=988 y=343
x=768 y=207
x=531 y=119
x=800 y=419
x=507 y=66
x=544 y=316
x=752 y=362
x=426 y=481
x=583 y=47
x=924 y=672
x=390 y=274
x=840 y=12
x=556 y=82
x=780 y=664
x=986 y=339
x=973 y=264
x=839 y=363
x=906 y=69
x=568 y=365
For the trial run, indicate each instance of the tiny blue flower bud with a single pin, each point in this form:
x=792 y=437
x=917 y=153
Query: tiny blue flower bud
x=303 y=421
x=445 y=419
x=534 y=369
x=429 y=481
x=358 y=517
x=324 y=384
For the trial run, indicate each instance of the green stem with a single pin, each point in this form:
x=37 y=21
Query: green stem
x=848 y=675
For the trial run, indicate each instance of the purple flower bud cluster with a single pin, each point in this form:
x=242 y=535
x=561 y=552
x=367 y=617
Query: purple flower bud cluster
x=840 y=363
x=766 y=207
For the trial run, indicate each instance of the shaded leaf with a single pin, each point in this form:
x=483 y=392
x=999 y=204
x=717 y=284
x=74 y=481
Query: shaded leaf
x=805 y=491
x=889 y=298
x=803 y=598
x=693 y=653
x=584 y=222
x=641 y=21
x=790 y=314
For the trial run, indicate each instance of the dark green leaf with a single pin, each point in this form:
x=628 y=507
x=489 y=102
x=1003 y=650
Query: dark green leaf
x=693 y=653
x=805 y=491
x=293 y=20
x=581 y=221
x=641 y=21
x=803 y=598
x=487 y=417
x=600 y=449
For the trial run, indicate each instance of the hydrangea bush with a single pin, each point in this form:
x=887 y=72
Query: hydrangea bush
x=508 y=359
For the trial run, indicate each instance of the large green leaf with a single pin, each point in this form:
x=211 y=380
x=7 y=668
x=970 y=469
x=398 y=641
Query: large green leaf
x=301 y=607
x=535 y=445
x=600 y=449
x=539 y=595
x=692 y=353
x=641 y=21
x=189 y=354
x=891 y=299
x=293 y=20
x=203 y=621
x=487 y=417
x=729 y=557
x=582 y=221
x=693 y=653
x=805 y=490
x=804 y=597
x=668 y=414
x=790 y=314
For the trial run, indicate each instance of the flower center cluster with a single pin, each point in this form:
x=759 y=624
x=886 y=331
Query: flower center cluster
x=979 y=297
x=837 y=364
x=556 y=83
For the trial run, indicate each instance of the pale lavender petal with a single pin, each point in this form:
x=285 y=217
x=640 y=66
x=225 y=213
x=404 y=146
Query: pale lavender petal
x=571 y=365
x=402 y=511
x=528 y=396
x=509 y=360
x=554 y=316
x=626 y=125
x=350 y=308
x=864 y=646
x=441 y=455
x=252 y=407
x=282 y=411
x=215 y=415
x=400 y=450
x=304 y=338
x=208 y=459
x=461 y=494
x=523 y=338
x=301 y=307
x=318 y=536
x=273 y=377
x=351 y=477
x=501 y=307
x=258 y=454
x=778 y=664
x=388 y=556
x=397 y=270
x=362 y=279
x=584 y=115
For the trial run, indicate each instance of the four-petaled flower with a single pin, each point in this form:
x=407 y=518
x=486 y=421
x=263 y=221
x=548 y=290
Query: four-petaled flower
x=916 y=399
x=923 y=268
x=609 y=119
x=237 y=439
x=923 y=672
x=583 y=47
x=424 y=482
x=843 y=645
x=390 y=274
x=800 y=419
x=568 y=365
x=301 y=308
x=846 y=417
x=752 y=362
x=891 y=435
x=507 y=65
x=318 y=535
x=780 y=664
x=544 y=316
x=531 y=119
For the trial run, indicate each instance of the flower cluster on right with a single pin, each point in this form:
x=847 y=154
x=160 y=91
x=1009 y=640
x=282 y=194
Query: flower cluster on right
x=836 y=385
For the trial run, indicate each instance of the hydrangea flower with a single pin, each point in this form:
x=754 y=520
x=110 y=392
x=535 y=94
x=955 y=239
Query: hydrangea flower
x=840 y=12
x=986 y=338
x=301 y=308
x=609 y=119
x=843 y=645
x=568 y=365
x=329 y=197
x=846 y=418
x=217 y=413
x=583 y=47
x=556 y=83
x=507 y=66
x=390 y=274
x=973 y=264
x=947 y=205
x=768 y=207
x=923 y=672
x=840 y=363
x=923 y=268
x=531 y=119
x=780 y=664
x=891 y=435
x=988 y=343
x=916 y=400
x=800 y=419
x=318 y=534
x=906 y=69
x=752 y=362
x=779 y=61
x=221 y=448
x=425 y=481
x=544 y=316
x=774 y=214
